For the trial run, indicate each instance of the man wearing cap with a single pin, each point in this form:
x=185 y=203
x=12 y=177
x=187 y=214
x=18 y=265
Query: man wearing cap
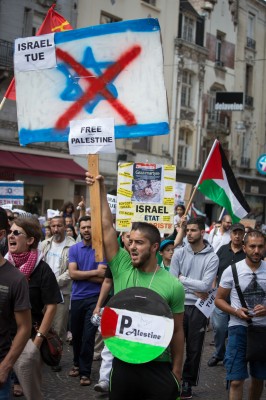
x=228 y=254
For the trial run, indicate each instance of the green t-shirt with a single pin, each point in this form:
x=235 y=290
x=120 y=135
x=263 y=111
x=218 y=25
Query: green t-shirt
x=163 y=283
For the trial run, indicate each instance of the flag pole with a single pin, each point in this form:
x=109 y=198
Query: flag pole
x=220 y=217
x=2 y=103
x=206 y=162
x=190 y=201
x=201 y=174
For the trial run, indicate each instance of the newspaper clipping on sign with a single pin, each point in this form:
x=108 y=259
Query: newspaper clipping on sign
x=146 y=192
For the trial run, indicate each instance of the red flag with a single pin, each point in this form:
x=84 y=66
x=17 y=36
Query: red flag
x=53 y=22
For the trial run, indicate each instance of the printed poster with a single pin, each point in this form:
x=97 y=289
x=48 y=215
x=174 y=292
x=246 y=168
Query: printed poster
x=146 y=192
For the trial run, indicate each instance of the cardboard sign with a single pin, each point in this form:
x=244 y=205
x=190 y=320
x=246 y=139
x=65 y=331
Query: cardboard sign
x=145 y=192
x=207 y=306
x=182 y=192
x=52 y=213
x=251 y=223
x=12 y=192
x=112 y=203
x=104 y=71
x=92 y=136
x=35 y=53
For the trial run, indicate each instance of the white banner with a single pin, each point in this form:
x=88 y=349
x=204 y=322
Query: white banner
x=145 y=328
x=36 y=52
x=207 y=306
x=112 y=203
x=92 y=136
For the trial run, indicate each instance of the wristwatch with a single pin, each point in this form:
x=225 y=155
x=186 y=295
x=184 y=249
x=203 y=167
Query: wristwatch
x=40 y=334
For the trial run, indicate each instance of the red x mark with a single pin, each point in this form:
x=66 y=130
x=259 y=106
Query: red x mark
x=98 y=85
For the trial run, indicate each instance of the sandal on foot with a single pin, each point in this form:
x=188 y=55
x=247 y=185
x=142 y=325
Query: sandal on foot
x=17 y=390
x=74 y=372
x=84 y=381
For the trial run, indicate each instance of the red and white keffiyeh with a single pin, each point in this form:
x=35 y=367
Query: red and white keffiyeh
x=25 y=262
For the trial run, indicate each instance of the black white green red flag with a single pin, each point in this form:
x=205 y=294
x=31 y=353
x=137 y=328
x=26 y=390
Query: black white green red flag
x=218 y=183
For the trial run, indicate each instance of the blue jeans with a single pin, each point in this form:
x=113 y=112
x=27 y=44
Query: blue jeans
x=5 y=389
x=220 y=327
x=235 y=357
x=83 y=333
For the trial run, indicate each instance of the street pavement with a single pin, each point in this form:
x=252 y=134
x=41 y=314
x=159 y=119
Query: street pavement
x=58 y=385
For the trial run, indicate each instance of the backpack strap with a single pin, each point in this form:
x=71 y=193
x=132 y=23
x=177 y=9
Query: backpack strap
x=238 y=289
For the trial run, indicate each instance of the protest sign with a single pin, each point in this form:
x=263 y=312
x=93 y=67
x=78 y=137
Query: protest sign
x=145 y=192
x=105 y=71
x=34 y=53
x=207 y=306
x=182 y=192
x=12 y=192
x=112 y=203
x=7 y=206
x=92 y=136
x=52 y=213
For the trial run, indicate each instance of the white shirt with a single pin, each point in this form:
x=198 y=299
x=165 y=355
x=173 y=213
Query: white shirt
x=53 y=256
x=217 y=239
x=252 y=296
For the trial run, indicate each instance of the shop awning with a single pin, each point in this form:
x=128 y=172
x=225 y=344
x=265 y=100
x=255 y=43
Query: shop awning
x=32 y=164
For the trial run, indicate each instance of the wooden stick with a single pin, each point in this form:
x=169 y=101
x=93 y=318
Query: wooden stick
x=95 y=206
x=190 y=200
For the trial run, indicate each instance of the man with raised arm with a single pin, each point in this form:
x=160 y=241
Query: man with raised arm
x=158 y=379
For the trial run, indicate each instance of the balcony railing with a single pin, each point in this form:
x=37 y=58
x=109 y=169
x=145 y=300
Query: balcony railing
x=249 y=100
x=244 y=162
x=219 y=63
x=251 y=43
x=218 y=120
x=6 y=54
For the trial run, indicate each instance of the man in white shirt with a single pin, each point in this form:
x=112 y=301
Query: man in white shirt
x=55 y=250
x=251 y=274
x=219 y=237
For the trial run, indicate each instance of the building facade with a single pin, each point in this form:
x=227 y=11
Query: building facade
x=208 y=47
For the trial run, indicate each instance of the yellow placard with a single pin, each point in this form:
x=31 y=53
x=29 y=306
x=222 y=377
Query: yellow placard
x=166 y=218
x=125 y=192
x=125 y=204
x=126 y=175
x=168 y=201
x=169 y=167
x=125 y=165
x=123 y=223
x=170 y=178
x=168 y=188
x=129 y=213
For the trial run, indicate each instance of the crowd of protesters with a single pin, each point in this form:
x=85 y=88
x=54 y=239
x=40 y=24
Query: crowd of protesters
x=67 y=287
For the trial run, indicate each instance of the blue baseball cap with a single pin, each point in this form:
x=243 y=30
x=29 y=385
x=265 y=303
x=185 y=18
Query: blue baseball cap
x=165 y=242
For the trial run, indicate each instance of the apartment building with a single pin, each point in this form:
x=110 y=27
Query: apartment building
x=208 y=47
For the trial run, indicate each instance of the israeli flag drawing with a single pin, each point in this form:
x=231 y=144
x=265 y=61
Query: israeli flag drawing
x=105 y=71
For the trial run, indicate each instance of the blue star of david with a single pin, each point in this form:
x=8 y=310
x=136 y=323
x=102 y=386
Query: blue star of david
x=73 y=91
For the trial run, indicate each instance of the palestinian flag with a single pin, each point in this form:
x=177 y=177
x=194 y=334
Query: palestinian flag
x=137 y=325
x=218 y=183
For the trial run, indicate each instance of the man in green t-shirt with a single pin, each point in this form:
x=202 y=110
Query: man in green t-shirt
x=158 y=379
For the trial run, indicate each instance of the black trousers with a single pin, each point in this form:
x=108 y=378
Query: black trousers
x=195 y=324
x=150 y=381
